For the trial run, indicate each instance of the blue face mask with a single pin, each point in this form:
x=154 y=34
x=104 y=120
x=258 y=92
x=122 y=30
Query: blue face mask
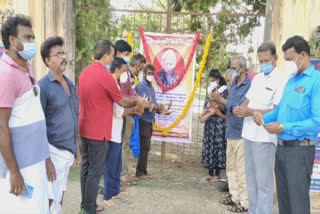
x=234 y=74
x=108 y=67
x=127 y=59
x=29 y=51
x=266 y=68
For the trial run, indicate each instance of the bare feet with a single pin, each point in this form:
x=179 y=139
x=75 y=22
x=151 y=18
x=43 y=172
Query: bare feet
x=120 y=196
x=110 y=203
x=214 y=179
x=129 y=179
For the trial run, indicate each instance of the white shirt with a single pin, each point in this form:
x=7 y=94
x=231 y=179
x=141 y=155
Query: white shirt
x=117 y=123
x=264 y=93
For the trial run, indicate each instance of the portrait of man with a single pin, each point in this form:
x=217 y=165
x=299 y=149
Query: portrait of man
x=167 y=75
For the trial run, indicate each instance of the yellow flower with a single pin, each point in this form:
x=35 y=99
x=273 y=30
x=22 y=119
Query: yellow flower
x=190 y=99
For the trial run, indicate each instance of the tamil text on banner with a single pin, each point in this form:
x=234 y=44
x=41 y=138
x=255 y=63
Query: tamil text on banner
x=315 y=178
x=173 y=56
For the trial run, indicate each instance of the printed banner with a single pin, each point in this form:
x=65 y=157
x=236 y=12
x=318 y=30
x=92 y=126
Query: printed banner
x=174 y=59
x=316 y=63
x=2 y=50
x=315 y=178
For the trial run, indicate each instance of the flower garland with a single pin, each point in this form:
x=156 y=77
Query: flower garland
x=129 y=40
x=187 y=106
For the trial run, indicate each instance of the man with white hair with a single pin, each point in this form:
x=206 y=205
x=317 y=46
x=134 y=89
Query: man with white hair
x=167 y=75
x=237 y=199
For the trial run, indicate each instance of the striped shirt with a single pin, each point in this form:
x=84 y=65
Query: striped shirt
x=27 y=122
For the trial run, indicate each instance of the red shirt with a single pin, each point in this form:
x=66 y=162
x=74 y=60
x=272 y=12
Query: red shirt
x=97 y=90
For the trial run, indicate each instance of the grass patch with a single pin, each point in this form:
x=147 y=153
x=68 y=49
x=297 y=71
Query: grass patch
x=74 y=174
x=152 y=185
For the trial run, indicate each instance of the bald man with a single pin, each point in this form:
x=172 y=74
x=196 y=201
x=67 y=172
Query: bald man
x=167 y=75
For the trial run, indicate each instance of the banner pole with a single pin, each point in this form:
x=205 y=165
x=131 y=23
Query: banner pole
x=163 y=154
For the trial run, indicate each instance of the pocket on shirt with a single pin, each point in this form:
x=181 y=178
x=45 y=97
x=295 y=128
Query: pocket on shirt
x=298 y=101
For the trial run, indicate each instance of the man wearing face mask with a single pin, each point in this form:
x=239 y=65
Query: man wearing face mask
x=296 y=121
x=136 y=64
x=98 y=91
x=235 y=165
x=145 y=89
x=260 y=146
x=23 y=135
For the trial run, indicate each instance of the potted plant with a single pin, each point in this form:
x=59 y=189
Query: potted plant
x=315 y=43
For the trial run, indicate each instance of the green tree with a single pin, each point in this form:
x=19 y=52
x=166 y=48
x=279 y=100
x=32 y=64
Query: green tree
x=90 y=28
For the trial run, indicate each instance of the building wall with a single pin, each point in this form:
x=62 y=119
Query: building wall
x=49 y=18
x=286 y=18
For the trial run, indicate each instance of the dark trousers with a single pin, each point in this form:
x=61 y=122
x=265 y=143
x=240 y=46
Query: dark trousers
x=94 y=155
x=112 y=171
x=293 y=169
x=145 y=130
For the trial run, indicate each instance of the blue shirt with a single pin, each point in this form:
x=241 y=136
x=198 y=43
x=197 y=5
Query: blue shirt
x=299 y=108
x=61 y=112
x=236 y=97
x=144 y=89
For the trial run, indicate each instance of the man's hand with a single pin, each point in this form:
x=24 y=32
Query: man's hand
x=215 y=97
x=138 y=110
x=258 y=119
x=78 y=161
x=17 y=183
x=141 y=101
x=240 y=112
x=51 y=171
x=273 y=128
x=160 y=108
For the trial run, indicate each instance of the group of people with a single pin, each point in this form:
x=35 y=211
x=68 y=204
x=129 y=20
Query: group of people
x=45 y=126
x=264 y=124
x=253 y=126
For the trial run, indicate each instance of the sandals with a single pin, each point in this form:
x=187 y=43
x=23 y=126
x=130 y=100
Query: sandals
x=99 y=209
x=237 y=208
x=227 y=202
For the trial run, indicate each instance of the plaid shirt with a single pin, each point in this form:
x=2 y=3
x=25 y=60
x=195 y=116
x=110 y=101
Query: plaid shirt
x=126 y=88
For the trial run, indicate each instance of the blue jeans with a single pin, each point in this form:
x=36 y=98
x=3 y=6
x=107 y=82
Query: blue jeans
x=112 y=171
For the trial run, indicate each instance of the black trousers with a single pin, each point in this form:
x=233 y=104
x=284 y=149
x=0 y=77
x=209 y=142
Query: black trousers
x=94 y=155
x=293 y=169
x=145 y=130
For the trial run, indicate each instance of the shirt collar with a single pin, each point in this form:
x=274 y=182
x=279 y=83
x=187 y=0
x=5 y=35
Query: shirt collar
x=275 y=70
x=130 y=72
x=144 y=81
x=308 y=71
x=52 y=78
x=245 y=81
x=12 y=63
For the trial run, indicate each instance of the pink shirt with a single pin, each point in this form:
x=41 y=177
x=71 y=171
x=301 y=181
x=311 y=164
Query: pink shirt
x=14 y=81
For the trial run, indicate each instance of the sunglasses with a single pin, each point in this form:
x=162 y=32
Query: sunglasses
x=35 y=89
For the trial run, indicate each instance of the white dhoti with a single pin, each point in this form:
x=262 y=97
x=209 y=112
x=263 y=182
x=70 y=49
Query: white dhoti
x=35 y=176
x=62 y=161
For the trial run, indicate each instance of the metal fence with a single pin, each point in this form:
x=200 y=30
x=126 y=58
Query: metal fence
x=165 y=21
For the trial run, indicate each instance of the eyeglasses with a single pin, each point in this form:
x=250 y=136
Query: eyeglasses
x=35 y=89
x=60 y=54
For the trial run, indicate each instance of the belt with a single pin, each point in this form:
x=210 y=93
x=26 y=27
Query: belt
x=296 y=143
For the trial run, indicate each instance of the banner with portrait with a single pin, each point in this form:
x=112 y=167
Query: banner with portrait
x=173 y=56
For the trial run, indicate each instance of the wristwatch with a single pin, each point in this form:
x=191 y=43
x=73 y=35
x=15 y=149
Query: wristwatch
x=281 y=128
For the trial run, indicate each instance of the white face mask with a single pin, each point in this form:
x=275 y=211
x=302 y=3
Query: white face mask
x=149 y=78
x=212 y=86
x=291 y=68
x=124 y=77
